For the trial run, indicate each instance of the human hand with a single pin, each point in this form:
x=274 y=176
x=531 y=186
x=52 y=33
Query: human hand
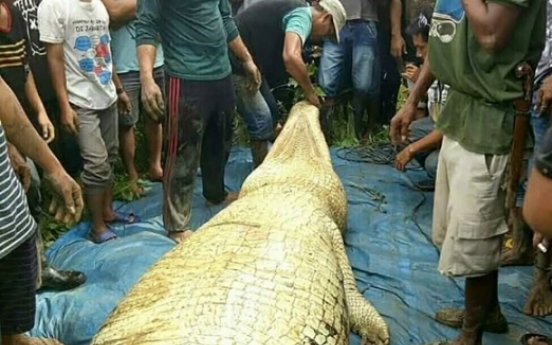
x=20 y=167
x=403 y=158
x=253 y=76
x=69 y=121
x=46 y=127
x=400 y=123
x=411 y=72
x=544 y=97
x=153 y=101
x=67 y=203
x=398 y=46
x=123 y=104
x=314 y=99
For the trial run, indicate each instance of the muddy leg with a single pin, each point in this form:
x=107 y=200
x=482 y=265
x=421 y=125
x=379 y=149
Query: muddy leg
x=539 y=302
x=522 y=254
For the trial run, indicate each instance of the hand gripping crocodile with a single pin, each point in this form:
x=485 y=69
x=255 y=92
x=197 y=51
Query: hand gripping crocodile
x=270 y=269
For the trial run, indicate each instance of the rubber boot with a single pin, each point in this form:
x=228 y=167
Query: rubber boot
x=259 y=150
x=494 y=323
x=360 y=104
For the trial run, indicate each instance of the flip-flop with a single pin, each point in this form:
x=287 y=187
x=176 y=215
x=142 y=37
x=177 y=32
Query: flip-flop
x=125 y=218
x=539 y=337
x=106 y=236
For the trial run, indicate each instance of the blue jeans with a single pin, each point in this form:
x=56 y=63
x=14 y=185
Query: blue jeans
x=540 y=126
x=258 y=110
x=427 y=159
x=355 y=59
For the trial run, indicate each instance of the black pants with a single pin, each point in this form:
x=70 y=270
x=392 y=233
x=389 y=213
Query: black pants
x=199 y=126
x=18 y=272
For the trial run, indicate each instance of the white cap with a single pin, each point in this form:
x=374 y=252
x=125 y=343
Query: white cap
x=337 y=11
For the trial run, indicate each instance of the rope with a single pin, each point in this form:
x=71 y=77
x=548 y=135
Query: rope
x=377 y=153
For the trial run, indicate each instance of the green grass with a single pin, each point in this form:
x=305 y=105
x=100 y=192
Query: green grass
x=343 y=134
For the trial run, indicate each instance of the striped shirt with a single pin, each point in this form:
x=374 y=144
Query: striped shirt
x=16 y=223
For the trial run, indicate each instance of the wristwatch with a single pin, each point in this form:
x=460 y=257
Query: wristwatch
x=119 y=90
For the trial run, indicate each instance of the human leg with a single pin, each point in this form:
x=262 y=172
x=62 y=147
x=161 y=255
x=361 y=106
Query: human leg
x=257 y=117
x=366 y=73
x=217 y=143
x=474 y=235
x=19 y=271
x=127 y=124
x=187 y=118
x=331 y=75
x=97 y=172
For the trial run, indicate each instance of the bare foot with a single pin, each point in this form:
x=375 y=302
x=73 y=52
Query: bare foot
x=137 y=190
x=513 y=257
x=24 y=340
x=155 y=174
x=539 y=302
x=278 y=130
x=180 y=236
x=231 y=197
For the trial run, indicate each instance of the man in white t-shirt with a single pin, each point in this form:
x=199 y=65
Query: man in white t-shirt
x=77 y=39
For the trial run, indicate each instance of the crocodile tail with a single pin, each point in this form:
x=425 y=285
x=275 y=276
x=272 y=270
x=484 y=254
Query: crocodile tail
x=363 y=317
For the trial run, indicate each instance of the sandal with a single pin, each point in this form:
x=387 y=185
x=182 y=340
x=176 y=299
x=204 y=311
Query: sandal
x=125 y=218
x=539 y=338
x=106 y=236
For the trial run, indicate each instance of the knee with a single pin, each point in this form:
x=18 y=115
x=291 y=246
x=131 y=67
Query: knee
x=258 y=118
x=97 y=173
x=431 y=164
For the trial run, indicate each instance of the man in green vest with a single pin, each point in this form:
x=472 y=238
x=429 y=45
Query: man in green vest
x=475 y=47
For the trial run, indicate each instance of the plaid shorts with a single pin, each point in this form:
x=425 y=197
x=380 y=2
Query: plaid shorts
x=18 y=289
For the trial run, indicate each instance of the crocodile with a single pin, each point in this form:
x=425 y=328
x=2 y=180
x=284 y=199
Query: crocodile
x=269 y=269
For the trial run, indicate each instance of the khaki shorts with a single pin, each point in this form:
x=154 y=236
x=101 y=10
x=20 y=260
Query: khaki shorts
x=469 y=214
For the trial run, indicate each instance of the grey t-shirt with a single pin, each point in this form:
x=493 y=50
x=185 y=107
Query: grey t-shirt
x=361 y=9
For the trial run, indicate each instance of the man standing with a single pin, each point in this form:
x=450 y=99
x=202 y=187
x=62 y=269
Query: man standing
x=18 y=256
x=358 y=48
x=475 y=47
x=288 y=23
x=76 y=35
x=196 y=36
x=123 y=46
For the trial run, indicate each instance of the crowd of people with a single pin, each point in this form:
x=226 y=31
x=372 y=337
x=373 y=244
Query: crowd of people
x=78 y=76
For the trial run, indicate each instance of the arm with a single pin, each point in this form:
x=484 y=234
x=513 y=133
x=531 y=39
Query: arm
x=235 y=43
x=298 y=26
x=56 y=62
x=32 y=95
x=537 y=207
x=120 y=11
x=493 y=21
x=147 y=36
x=295 y=65
x=398 y=45
x=424 y=82
x=22 y=134
x=431 y=141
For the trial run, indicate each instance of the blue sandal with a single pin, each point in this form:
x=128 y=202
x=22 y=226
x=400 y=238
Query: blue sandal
x=106 y=236
x=539 y=338
x=125 y=218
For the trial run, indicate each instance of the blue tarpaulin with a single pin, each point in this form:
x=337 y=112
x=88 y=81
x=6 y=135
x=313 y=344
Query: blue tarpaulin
x=388 y=243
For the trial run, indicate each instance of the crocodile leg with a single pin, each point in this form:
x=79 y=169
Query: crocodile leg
x=363 y=317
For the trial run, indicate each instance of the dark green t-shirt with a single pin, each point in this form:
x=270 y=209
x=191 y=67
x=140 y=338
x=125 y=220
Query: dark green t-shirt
x=479 y=111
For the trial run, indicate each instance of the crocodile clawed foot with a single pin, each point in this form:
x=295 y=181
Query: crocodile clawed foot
x=378 y=336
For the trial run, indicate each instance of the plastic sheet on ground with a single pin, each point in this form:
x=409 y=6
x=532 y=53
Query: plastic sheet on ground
x=388 y=243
